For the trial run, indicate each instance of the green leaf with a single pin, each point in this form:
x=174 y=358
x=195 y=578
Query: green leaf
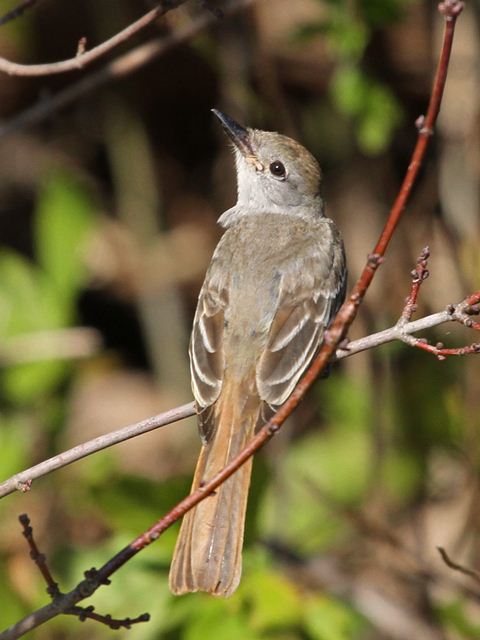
x=402 y=475
x=63 y=221
x=335 y=462
x=373 y=107
x=349 y=90
x=14 y=444
x=26 y=383
x=274 y=601
x=453 y=616
x=118 y=498
x=214 y=622
x=347 y=37
x=330 y=619
x=380 y=12
x=381 y=116
x=28 y=303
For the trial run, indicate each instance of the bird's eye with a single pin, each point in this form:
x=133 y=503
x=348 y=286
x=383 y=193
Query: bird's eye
x=278 y=170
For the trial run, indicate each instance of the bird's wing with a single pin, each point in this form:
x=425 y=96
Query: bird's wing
x=206 y=353
x=312 y=288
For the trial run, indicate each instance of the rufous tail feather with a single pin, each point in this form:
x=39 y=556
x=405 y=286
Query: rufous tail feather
x=208 y=553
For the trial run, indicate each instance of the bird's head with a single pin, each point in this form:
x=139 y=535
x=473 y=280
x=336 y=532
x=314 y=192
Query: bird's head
x=275 y=174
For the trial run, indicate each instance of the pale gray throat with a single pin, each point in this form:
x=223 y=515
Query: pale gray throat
x=314 y=210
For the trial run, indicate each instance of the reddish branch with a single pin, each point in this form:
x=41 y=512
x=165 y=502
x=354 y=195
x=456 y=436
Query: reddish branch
x=471 y=307
x=439 y=350
x=419 y=274
x=344 y=318
x=459 y=313
x=22 y=481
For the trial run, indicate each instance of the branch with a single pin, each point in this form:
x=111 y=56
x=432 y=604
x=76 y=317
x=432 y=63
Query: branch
x=94 y=579
x=121 y=67
x=458 y=567
x=61 y=602
x=460 y=312
x=23 y=481
x=81 y=60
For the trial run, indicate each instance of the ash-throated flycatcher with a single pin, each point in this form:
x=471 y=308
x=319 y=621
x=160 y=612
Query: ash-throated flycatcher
x=275 y=282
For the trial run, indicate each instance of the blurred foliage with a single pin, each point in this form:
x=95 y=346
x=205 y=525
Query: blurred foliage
x=391 y=435
x=41 y=296
x=347 y=29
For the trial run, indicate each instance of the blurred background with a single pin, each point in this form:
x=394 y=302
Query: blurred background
x=107 y=224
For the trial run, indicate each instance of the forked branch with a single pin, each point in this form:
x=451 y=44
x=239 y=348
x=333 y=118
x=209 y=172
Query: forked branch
x=450 y=9
x=462 y=312
x=83 y=58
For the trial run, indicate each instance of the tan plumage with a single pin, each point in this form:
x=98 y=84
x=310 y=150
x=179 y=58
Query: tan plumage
x=275 y=281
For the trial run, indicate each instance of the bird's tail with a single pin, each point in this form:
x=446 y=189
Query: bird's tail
x=208 y=553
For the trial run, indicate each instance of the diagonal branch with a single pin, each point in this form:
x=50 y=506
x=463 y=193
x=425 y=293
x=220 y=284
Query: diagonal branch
x=450 y=9
x=84 y=59
x=22 y=481
x=471 y=573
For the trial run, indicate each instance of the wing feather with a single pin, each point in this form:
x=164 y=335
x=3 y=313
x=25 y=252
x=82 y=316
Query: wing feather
x=206 y=354
x=311 y=291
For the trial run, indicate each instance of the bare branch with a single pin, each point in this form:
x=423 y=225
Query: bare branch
x=60 y=601
x=458 y=567
x=88 y=613
x=22 y=481
x=438 y=349
x=81 y=60
x=122 y=66
x=419 y=275
x=343 y=320
x=38 y=558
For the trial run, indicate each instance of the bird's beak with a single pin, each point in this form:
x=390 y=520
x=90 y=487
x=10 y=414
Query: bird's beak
x=239 y=136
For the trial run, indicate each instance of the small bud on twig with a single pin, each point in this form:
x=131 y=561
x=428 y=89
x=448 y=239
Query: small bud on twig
x=81 y=46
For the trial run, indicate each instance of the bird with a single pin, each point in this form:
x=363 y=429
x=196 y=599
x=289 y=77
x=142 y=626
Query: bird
x=275 y=282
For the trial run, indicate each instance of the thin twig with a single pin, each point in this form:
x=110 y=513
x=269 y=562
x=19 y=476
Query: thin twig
x=419 y=275
x=458 y=567
x=84 y=59
x=22 y=481
x=38 y=558
x=438 y=349
x=88 y=613
x=17 y=11
x=339 y=327
x=121 y=67
x=82 y=613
